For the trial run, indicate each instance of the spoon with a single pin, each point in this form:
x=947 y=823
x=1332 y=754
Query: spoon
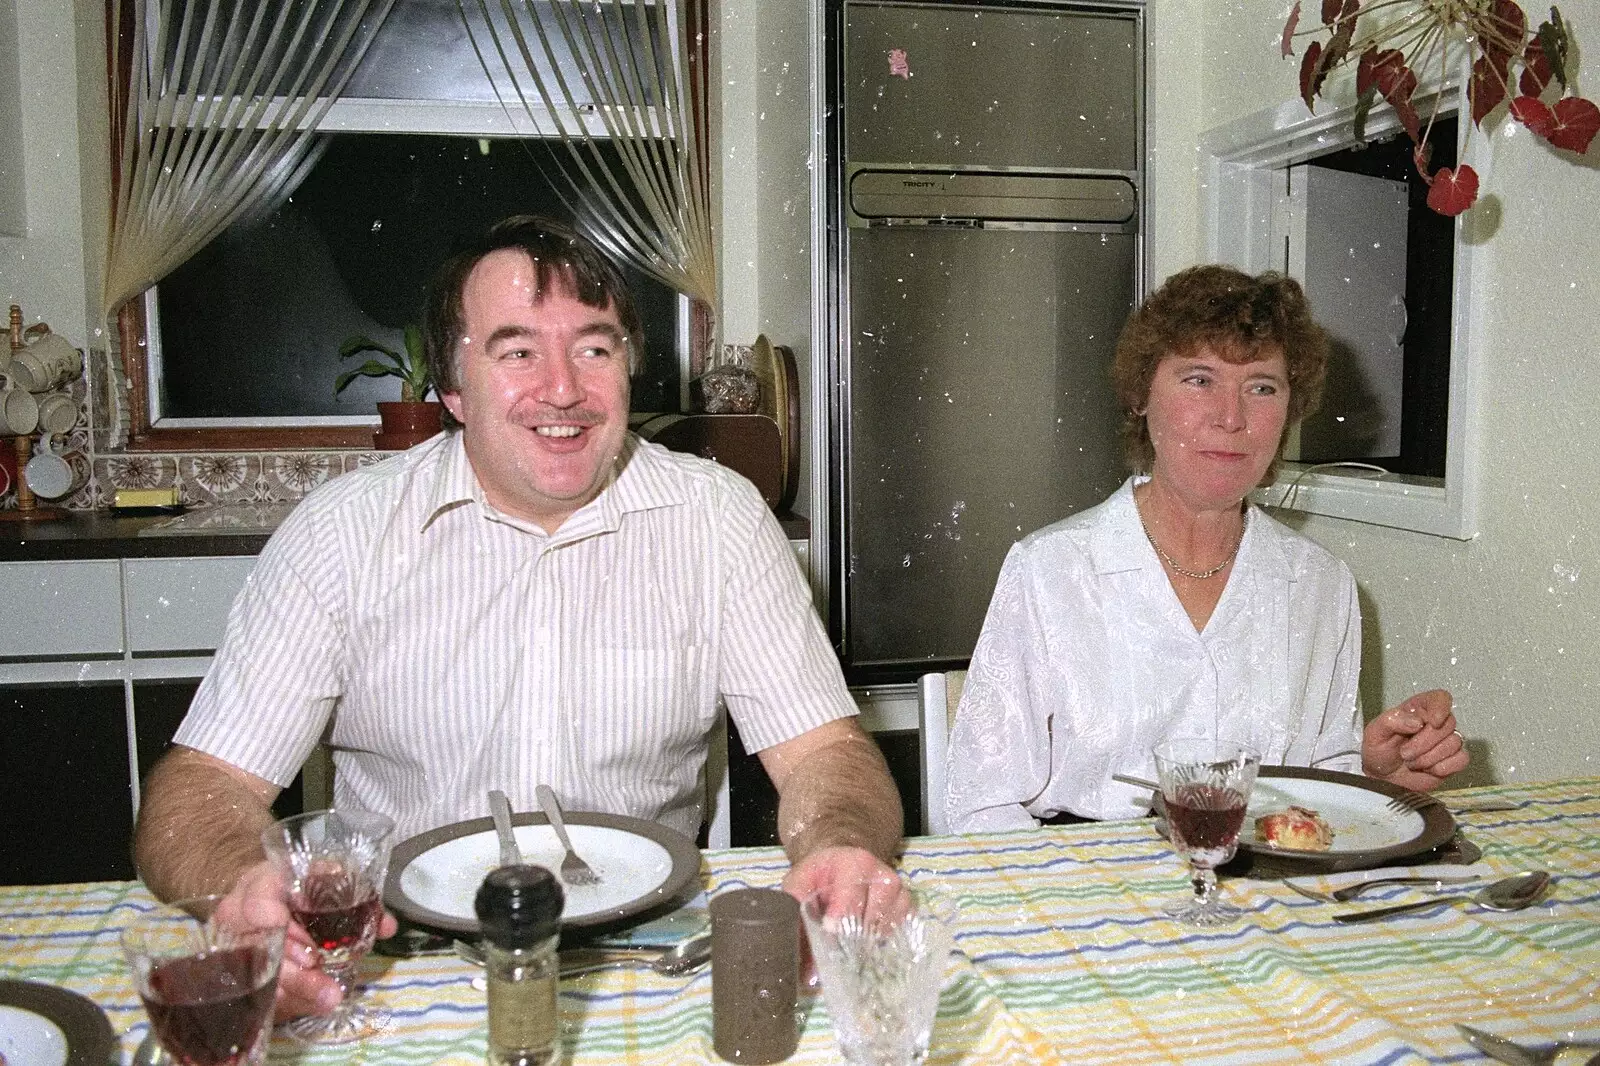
x=679 y=960
x=1507 y=894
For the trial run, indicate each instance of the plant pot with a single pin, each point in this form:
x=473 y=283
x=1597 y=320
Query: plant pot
x=405 y=424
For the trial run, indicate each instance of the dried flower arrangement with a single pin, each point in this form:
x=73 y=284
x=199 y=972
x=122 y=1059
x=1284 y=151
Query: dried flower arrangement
x=1426 y=35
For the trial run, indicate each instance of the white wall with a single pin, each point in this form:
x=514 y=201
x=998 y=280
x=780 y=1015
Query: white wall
x=46 y=271
x=1510 y=621
x=766 y=195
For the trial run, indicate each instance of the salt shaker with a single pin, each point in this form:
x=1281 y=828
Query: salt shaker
x=755 y=945
x=519 y=909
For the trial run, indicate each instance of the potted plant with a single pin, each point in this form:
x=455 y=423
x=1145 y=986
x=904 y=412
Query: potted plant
x=412 y=419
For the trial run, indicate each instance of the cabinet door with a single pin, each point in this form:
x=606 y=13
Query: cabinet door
x=71 y=608
x=67 y=801
x=181 y=605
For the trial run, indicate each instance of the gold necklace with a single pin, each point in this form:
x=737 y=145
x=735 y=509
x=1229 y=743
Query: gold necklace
x=1198 y=575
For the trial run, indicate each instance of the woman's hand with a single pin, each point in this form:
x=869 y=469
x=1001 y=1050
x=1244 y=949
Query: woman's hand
x=1415 y=744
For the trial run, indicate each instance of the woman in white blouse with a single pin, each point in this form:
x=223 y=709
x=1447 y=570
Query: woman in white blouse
x=1175 y=608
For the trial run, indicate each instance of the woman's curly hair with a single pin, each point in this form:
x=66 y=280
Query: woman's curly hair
x=1240 y=318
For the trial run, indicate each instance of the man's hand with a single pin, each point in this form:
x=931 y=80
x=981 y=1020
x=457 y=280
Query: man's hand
x=261 y=898
x=1415 y=744
x=848 y=881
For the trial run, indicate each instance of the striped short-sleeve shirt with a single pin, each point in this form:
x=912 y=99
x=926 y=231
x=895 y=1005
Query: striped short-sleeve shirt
x=442 y=648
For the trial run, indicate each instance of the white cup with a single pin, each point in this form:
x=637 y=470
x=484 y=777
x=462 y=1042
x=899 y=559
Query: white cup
x=57 y=413
x=47 y=362
x=19 y=412
x=55 y=477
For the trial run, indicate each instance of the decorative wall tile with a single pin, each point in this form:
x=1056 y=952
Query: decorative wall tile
x=293 y=474
x=220 y=477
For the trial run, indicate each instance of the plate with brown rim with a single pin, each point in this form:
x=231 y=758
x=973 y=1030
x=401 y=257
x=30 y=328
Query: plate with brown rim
x=643 y=867
x=1366 y=832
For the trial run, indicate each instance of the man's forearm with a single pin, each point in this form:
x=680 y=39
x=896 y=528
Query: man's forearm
x=840 y=795
x=200 y=824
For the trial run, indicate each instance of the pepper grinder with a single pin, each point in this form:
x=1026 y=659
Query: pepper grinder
x=519 y=910
x=755 y=945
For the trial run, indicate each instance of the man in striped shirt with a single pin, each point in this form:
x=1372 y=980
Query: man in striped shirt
x=535 y=597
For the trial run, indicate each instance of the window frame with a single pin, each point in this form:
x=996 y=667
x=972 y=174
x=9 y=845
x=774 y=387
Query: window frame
x=139 y=343
x=1241 y=165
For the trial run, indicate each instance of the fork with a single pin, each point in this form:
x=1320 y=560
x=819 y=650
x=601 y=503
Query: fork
x=1350 y=892
x=1410 y=802
x=1420 y=801
x=574 y=871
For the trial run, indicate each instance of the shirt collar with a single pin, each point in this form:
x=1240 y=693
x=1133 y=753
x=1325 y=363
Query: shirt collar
x=454 y=483
x=640 y=481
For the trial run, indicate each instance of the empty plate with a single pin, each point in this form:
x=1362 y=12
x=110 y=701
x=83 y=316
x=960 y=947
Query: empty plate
x=434 y=876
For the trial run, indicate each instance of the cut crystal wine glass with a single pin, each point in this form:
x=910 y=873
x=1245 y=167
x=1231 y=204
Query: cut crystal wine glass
x=1205 y=786
x=333 y=865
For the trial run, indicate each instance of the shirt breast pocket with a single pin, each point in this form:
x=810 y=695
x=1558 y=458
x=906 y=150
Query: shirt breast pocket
x=642 y=702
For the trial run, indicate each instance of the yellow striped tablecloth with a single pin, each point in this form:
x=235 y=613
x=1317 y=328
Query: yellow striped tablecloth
x=1063 y=955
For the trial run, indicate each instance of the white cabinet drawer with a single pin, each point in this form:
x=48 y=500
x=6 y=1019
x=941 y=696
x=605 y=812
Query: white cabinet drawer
x=71 y=607
x=181 y=604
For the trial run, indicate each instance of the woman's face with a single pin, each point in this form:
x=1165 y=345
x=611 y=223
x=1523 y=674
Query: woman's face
x=1216 y=425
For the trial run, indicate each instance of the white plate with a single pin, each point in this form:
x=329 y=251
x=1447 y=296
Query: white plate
x=30 y=1039
x=1365 y=830
x=434 y=877
x=44 y=1025
x=1360 y=820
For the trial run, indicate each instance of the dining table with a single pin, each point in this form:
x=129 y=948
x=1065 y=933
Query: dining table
x=1062 y=954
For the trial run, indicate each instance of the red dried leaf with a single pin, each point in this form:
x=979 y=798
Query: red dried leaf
x=1287 y=45
x=1487 y=88
x=1576 y=122
x=1311 y=74
x=1535 y=114
x=1366 y=77
x=1453 y=191
x=1536 y=72
x=1507 y=23
x=1336 y=12
x=1396 y=82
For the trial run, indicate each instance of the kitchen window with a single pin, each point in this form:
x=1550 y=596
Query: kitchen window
x=420 y=154
x=1389 y=280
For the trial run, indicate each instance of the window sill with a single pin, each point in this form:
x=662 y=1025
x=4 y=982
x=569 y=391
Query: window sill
x=1418 y=504
x=302 y=438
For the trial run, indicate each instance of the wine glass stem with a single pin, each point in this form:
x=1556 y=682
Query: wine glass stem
x=345 y=975
x=1205 y=884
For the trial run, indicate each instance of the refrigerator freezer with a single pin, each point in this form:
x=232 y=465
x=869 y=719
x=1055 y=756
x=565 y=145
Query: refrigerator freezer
x=988 y=218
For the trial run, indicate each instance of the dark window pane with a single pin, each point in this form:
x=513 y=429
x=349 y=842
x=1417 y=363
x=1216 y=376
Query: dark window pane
x=251 y=326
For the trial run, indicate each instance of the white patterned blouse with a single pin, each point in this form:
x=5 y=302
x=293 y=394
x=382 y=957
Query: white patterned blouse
x=1087 y=660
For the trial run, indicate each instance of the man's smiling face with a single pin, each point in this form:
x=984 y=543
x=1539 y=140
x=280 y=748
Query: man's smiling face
x=543 y=390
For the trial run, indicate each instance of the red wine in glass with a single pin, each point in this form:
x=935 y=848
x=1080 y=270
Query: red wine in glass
x=1206 y=818
x=212 y=1009
x=340 y=911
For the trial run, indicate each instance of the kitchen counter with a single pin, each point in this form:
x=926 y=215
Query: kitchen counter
x=227 y=529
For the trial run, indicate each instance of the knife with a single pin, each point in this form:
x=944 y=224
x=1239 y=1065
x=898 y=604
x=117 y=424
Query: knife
x=1497 y=1048
x=1574 y=1053
x=500 y=809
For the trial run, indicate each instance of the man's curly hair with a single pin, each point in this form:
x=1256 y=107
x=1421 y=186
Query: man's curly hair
x=1241 y=319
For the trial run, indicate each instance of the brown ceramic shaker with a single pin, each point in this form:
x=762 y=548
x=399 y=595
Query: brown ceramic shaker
x=755 y=969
